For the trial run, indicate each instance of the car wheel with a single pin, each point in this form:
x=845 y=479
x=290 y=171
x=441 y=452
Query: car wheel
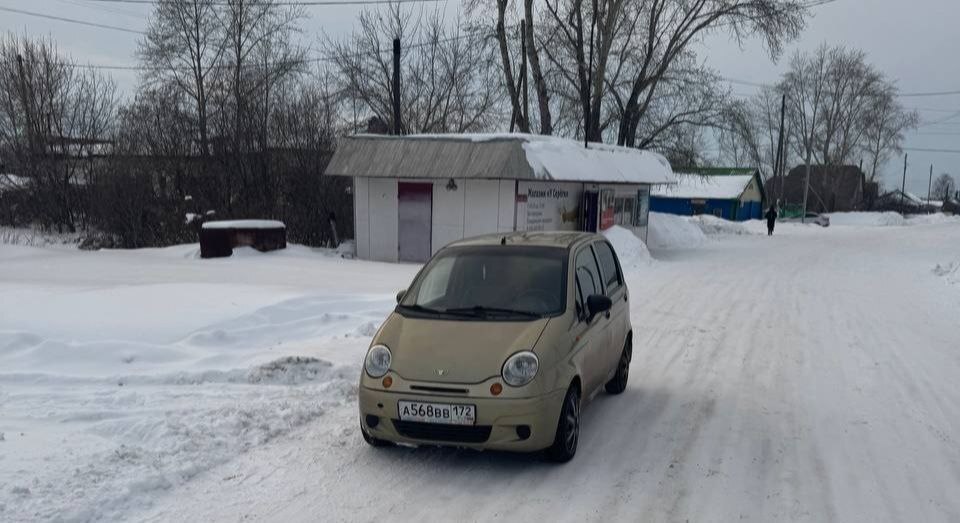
x=568 y=429
x=618 y=383
x=372 y=441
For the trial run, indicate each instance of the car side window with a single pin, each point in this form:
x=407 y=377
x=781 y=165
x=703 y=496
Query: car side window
x=612 y=279
x=588 y=274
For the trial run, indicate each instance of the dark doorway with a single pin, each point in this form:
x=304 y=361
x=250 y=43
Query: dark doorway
x=590 y=211
x=415 y=209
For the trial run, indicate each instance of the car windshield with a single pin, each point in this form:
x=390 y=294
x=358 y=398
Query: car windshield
x=491 y=282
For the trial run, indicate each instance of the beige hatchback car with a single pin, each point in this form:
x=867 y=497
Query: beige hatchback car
x=497 y=342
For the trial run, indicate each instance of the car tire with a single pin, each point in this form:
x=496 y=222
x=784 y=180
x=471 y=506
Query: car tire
x=567 y=438
x=372 y=441
x=618 y=383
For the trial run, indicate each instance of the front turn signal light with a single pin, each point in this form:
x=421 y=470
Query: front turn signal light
x=387 y=382
x=496 y=389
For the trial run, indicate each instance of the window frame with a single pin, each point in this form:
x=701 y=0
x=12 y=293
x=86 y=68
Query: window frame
x=616 y=264
x=576 y=275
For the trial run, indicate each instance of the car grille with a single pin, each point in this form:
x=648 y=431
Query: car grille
x=438 y=432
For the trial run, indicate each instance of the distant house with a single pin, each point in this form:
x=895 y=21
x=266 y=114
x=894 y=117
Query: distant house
x=415 y=194
x=951 y=205
x=840 y=188
x=729 y=193
x=904 y=202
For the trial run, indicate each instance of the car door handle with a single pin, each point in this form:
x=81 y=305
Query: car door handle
x=607 y=315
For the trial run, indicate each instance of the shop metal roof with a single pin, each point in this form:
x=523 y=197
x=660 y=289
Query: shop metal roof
x=496 y=156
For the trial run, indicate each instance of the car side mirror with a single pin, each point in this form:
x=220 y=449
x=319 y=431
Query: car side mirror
x=598 y=304
x=400 y=294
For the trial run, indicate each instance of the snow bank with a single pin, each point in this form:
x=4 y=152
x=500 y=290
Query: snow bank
x=868 y=219
x=631 y=251
x=888 y=219
x=138 y=443
x=932 y=219
x=712 y=226
x=125 y=373
x=669 y=231
x=30 y=237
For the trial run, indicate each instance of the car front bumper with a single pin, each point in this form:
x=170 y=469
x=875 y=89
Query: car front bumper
x=503 y=417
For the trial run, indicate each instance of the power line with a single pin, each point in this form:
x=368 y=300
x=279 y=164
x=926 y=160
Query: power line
x=931 y=110
x=925 y=150
x=315 y=59
x=71 y=20
x=108 y=9
x=297 y=3
x=941 y=93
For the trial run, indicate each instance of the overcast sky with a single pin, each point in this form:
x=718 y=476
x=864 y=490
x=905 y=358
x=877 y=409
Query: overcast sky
x=916 y=42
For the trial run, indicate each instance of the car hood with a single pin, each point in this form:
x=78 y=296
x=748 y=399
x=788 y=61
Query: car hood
x=464 y=351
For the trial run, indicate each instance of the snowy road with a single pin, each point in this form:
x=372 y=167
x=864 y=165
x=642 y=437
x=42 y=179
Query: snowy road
x=808 y=377
x=812 y=376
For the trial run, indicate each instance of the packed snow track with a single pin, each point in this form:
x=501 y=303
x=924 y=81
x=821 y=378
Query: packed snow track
x=811 y=376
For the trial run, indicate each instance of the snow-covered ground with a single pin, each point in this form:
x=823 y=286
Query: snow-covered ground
x=809 y=376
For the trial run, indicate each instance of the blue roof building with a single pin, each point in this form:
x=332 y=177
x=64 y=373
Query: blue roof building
x=731 y=193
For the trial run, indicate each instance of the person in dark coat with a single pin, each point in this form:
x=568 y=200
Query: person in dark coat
x=771 y=219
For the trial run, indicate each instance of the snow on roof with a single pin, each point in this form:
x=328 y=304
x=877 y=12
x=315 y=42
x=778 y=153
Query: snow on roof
x=725 y=187
x=496 y=156
x=244 y=224
x=565 y=160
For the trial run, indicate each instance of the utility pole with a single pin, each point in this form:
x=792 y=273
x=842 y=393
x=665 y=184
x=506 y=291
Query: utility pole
x=396 y=87
x=589 y=86
x=523 y=72
x=806 y=183
x=930 y=185
x=777 y=169
x=903 y=187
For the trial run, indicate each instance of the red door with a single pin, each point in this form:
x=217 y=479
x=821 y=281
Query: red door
x=415 y=208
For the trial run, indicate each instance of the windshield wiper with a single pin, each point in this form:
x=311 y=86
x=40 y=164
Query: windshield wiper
x=481 y=310
x=427 y=310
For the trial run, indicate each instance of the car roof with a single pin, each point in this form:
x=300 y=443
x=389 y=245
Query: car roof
x=559 y=239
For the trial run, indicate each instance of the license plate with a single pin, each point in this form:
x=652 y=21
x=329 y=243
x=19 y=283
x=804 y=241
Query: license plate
x=444 y=413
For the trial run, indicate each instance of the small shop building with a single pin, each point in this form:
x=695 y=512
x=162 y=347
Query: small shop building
x=729 y=193
x=415 y=194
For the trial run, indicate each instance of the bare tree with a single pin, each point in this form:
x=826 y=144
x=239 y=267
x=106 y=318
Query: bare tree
x=749 y=131
x=944 y=187
x=184 y=47
x=606 y=61
x=661 y=31
x=449 y=76
x=885 y=125
x=841 y=108
x=56 y=124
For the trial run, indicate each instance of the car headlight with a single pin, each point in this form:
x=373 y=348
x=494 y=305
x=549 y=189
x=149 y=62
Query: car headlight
x=378 y=361
x=520 y=369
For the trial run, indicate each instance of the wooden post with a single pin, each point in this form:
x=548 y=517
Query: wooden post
x=777 y=168
x=397 y=127
x=903 y=188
